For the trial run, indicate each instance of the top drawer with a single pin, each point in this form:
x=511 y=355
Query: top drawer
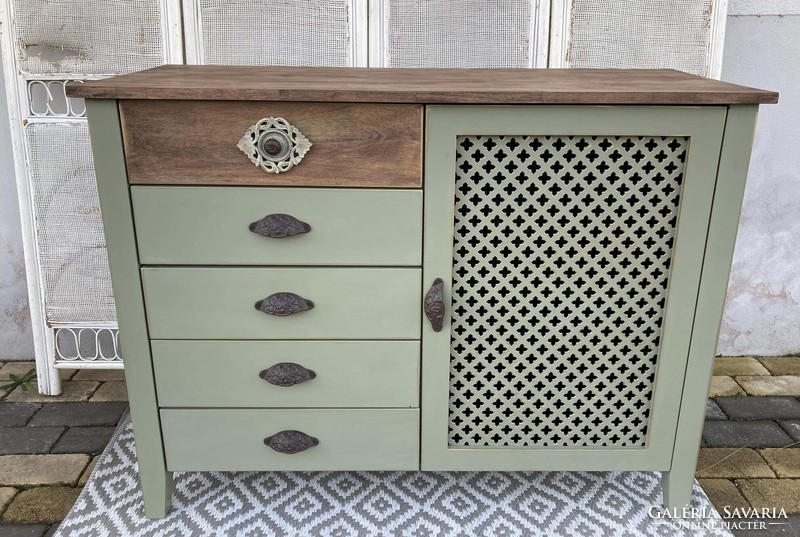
x=195 y=142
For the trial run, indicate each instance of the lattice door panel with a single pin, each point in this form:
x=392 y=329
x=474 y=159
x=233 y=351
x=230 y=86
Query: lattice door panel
x=561 y=262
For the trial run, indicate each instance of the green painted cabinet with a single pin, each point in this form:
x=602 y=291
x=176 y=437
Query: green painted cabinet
x=534 y=281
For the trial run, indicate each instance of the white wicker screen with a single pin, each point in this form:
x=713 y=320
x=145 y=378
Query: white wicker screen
x=69 y=228
x=560 y=245
x=46 y=44
x=265 y=32
x=673 y=34
x=87 y=37
x=466 y=33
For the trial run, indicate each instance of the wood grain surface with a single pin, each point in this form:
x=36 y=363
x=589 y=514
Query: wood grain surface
x=520 y=86
x=194 y=142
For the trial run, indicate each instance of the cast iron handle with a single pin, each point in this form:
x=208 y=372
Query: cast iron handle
x=434 y=304
x=290 y=442
x=287 y=374
x=283 y=304
x=278 y=226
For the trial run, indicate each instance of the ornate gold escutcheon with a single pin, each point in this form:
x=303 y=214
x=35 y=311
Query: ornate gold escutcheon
x=274 y=145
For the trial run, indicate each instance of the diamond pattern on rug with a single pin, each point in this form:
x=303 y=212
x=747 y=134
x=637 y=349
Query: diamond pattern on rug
x=374 y=504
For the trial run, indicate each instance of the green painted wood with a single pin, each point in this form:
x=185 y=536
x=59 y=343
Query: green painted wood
x=226 y=373
x=349 y=439
x=728 y=195
x=444 y=123
x=209 y=226
x=219 y=303
x=112 y=185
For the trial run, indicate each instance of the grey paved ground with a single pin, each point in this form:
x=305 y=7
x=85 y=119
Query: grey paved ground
x=48 y=446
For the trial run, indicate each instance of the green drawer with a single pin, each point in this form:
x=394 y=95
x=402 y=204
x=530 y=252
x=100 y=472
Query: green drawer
x=345 y=373
x=210 y=226
x=233 y=440
x=219 y=303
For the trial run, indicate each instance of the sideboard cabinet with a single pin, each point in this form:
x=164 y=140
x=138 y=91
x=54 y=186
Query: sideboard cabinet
x=349 y=269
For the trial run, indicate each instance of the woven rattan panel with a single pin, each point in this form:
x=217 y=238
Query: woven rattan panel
x=561 y=257
x=237 y=32
x=672 y=34
x=69 y=228
x=88 y=37
x=472 y=33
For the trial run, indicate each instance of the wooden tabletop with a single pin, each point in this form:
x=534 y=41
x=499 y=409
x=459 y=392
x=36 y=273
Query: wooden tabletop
x=488 y=86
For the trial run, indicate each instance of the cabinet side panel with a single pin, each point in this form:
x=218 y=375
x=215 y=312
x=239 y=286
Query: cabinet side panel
x=728 y=194
x=112 y=185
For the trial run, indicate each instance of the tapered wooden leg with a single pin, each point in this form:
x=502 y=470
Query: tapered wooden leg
x=157 y=491
x=123 y=260
x=676 y=488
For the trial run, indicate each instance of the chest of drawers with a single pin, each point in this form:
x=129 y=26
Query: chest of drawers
x=348 y=269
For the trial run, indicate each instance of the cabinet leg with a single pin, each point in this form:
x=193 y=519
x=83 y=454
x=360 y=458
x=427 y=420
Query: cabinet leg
x=157 y=492
x=676 y=489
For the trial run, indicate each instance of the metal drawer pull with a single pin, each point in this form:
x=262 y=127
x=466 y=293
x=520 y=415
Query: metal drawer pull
x=283 y=304
x=274 y=145
x=278 y=226
x=290 y=442
x=287 y=374
x=434 y=304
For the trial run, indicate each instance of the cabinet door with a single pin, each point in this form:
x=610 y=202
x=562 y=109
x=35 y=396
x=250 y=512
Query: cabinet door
x=570 y=241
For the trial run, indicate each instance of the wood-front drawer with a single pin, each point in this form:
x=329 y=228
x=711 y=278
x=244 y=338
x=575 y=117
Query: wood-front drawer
x=347 y=439
x=281 y=374
x=195 y=142
x=293 y=226
x=220 y=303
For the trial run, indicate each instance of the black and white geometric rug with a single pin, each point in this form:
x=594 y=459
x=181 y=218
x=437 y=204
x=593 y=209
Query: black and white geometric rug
x=385 y=504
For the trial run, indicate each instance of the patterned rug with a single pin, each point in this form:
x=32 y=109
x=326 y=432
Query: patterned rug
x=345 y=504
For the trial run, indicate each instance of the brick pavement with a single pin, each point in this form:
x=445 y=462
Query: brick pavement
x=49 y=445
x=750 y=455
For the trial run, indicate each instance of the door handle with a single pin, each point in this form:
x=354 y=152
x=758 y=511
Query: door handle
x=434 y=304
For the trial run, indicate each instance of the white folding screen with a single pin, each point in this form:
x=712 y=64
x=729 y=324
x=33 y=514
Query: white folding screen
x=463 y=33
x=47 y=44
x=674 y=34
x=284 y=32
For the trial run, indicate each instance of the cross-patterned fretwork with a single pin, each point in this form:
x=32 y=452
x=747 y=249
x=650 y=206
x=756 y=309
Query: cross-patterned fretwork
x=561 y=260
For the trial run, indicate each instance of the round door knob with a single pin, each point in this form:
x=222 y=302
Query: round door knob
x=274 y=145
